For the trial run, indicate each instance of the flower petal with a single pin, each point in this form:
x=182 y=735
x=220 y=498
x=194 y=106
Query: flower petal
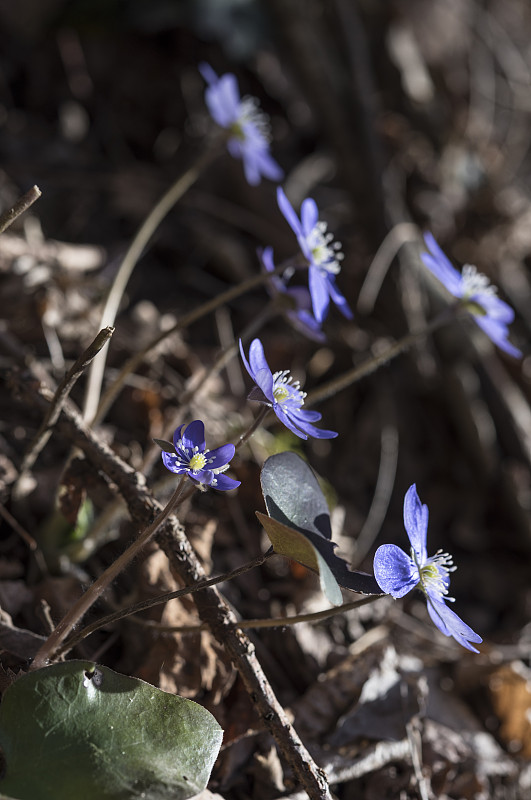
x=220 y=456
x=177 y=434
x=416 y=523
x=224 y=483
x=395 y=572
x=302 y=419
x=286 y=420
x=306 y=415
x=207 y=72
x=288 y=212
x=441 y=267
x=203 y=476
x=194 y=436
x=319 y=291
x=172 y=462
x=449 y=623
x=309 y=215
x=497 y=333
x=245 y=362
x=257 y=357
x=339 y=300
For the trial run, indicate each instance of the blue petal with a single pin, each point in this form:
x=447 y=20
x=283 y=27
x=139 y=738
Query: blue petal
x=416 y=523
x=300 y=418
x=224 y=483
x=307 y=325
x=261 y=160
x=177 y=434
x=285 y=419
x=449 y=623
x=307 y=416
x=395 y=572
x=288 y=212
x=496 y=309
x=441 y=267
x=319 y=291
x=257 y=357
x=309 y=216
x=194 y=436
x=264 y=381
x=251 y=168
x=220 y=456
x=497 y=333
x=172 y=463
x=223 y=100
x=339 y=300
x=245 y=362
x=207 y=72
x=203 y=476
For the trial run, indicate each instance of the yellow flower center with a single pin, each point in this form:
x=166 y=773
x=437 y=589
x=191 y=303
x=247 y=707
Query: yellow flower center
x=280 y=394
x=429 y=572
x=197 y=462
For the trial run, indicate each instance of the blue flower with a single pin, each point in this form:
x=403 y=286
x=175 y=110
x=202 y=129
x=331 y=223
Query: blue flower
x=397 y=573
x=246 y=124
x=189 y=456
x=323 y=254
x=296 y=300
x=282 y=394
x=476 y=294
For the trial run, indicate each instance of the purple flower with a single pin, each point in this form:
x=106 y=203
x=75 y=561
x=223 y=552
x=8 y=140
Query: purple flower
x=246 y=123
x=322 y=253
x=188 y=456
x=282 y=394
x=476 y=294
x=296 y=300
x=397 y=573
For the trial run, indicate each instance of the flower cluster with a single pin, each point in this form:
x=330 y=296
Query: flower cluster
x=322 y=253
x=397 y=573
x=476 y=294
x=247 y=126
x=188 y=456
x=282 y=394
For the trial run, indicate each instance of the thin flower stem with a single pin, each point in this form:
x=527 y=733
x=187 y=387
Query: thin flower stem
x=275 y=622
x=8 y=217
x=133 y=254
x=162 y=598
x=371 y=365
x=48 y=650
x=262 y=414
x=131 y=365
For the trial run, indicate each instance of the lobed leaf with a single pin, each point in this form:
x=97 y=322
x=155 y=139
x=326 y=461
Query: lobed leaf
x=77 y=730
x=299 y=527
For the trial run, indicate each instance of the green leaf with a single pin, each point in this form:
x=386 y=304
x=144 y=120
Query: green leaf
x=77 y=731
x=298 y=525
x=293 y=544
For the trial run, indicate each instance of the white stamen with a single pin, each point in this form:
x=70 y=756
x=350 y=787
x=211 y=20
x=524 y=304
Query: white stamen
x=285 y=388
x=325 y=251
x=475 y=283
x=434 y=572
x=249 y=112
